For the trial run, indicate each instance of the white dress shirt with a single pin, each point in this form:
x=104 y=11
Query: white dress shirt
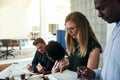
x=111 y=57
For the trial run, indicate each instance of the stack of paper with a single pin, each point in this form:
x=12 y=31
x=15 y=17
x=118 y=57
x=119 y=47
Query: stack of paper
x=65 y=75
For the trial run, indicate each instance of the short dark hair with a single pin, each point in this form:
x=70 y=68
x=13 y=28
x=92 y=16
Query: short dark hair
x=55 y=50
x=38 y=40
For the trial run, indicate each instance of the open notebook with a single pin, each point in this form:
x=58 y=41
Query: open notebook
x=65 y=75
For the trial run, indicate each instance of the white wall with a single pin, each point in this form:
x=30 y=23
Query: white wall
x=56 y=11
x=17 y=17
x=12 y=20
x=12 y=23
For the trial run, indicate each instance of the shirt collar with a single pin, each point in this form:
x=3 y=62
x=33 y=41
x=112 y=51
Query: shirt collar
x=118 y=24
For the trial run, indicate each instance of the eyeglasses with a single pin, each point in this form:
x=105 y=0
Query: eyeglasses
x=70 y=28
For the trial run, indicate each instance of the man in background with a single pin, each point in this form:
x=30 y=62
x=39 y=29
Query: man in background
x=40 y=62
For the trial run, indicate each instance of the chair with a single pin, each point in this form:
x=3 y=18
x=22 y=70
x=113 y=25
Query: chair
x=7 y=43
x=16 y=43
x=1 y=51
x=1 y=54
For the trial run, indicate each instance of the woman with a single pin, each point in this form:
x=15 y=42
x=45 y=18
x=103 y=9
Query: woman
x=56 y=53
x=82 y=45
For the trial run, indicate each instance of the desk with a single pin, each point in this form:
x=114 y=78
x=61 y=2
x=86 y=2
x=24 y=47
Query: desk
x=4 y=66
x=17 y=69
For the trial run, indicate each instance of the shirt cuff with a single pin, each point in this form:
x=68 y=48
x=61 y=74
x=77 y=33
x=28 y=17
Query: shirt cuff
x=97 y=73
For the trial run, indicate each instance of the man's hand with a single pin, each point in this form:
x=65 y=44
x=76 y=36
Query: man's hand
x=85 y=73
x=30 y=68
x=40 y=68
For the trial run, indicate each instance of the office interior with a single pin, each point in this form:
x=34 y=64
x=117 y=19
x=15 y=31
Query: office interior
x=25 y=20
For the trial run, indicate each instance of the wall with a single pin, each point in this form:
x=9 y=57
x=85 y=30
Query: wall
x=19 y=17
x=13 y=23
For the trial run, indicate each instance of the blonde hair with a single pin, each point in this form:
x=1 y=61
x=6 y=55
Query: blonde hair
x=84 y=33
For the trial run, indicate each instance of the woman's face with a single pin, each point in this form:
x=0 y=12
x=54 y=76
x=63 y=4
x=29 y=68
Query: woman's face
x=71 y=29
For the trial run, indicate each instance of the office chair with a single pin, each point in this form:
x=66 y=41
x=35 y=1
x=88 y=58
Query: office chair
x=7 y=43
x=16 y=43
x=1 y=51
x=1 y=54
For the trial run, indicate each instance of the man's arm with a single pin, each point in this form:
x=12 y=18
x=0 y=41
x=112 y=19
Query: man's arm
x=48 y=64
x=35 y=62
x=87 y=73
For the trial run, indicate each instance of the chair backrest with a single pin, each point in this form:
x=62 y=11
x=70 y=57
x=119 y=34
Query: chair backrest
x=6 y=42
x=15 y=42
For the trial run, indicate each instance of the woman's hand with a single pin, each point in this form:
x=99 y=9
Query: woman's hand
x=60 y=65
x=55 y=67
x=64 y=64
x=85 y=73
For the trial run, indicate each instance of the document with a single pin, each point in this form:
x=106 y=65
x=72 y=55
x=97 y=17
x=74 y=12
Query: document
x=16 y=69
x=65 y=75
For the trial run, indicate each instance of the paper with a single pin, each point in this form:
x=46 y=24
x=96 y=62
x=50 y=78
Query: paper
x=36 y=77
x=65 y=75
x=16 y=70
